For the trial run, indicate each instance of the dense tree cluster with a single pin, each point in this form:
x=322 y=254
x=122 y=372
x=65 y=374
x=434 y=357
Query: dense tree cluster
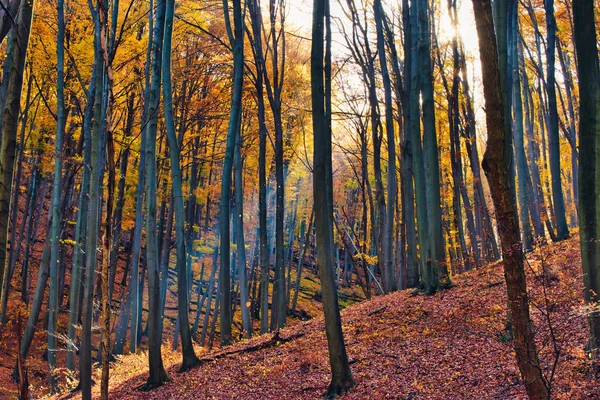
x=160 y=156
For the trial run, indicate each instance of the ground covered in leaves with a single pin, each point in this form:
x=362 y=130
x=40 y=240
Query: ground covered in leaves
x=447 y=346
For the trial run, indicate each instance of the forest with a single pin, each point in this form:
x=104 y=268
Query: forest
x=295 y=199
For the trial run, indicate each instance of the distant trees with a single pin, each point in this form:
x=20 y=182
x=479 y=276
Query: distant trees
x=134 y=221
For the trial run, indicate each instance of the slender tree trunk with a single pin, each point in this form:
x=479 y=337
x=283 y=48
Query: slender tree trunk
x=157 y=375
x=189 y=356
x=301 y=256
x=210 y=290
x=525 y=207
x=134 y=262
x=77 y=276
x=85 y=355
x=389 y=280
x=56 y=191
x=36 y=304
x=553 y=137
x=589 y=162
x=240 y=241
x=237 y=41
x=14 y=70
x=322 y=182
x=497 y=161
x=430 y=151
x=408 y=199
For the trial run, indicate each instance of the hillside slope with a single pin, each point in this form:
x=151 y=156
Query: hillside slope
x=447 y=346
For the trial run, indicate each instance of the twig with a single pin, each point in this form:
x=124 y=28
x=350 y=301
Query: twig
x=377 y=310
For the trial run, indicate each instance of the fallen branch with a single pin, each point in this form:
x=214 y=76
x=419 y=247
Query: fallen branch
x=386 y=354
x=274 y=341
x=377 y=310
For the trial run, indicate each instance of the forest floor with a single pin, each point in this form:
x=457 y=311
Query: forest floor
x=403 y=345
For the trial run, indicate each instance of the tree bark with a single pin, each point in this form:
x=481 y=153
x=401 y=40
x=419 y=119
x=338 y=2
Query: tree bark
x=589 y=162
x=14 y=70
x=497 y=161
x=322 y=183
x=189 y=356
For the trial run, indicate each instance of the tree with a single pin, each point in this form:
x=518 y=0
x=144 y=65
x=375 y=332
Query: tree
x=496 y=164
x=56 y=190
x=95 y=166
x=240 y=240
x=388 y=274
x=553 y=138
x=236 y=38
x=157 y=375
x=14 y=69
x=322 y=191
x=187 y=348
x=589 y=168
x=256 y=22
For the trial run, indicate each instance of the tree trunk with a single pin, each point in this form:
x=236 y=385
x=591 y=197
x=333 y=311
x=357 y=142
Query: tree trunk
x=56 y=191
x=389 y=281
x=589 y=168
x=189 y=356
x=14 y=70
x=496 y=163
x=157 y=375
x=322 y=183
x=79 y=258
x=237 y=41
x=430 y=151
x=240 y=241
x=85 y=355
x=553 y=137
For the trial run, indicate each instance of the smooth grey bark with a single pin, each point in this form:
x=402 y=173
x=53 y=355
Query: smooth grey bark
x=430 y=150
x=56 y=189
x=256 y=22
x=210 y=290
x=189 y=356
x=388 y=273
x=562 y=230
x=322 y=183
x=15 y=239
x=408 y=191
x=135 y=285
x=85 y=355
x=588 y=71
x=240 y=241
x=237 y=40
x=81 y=227
x=535 y=191
x=429 y=277
x=157 y=375
x=274 y=90
x=565 y=65
x=526 y=207
x=14 y=69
